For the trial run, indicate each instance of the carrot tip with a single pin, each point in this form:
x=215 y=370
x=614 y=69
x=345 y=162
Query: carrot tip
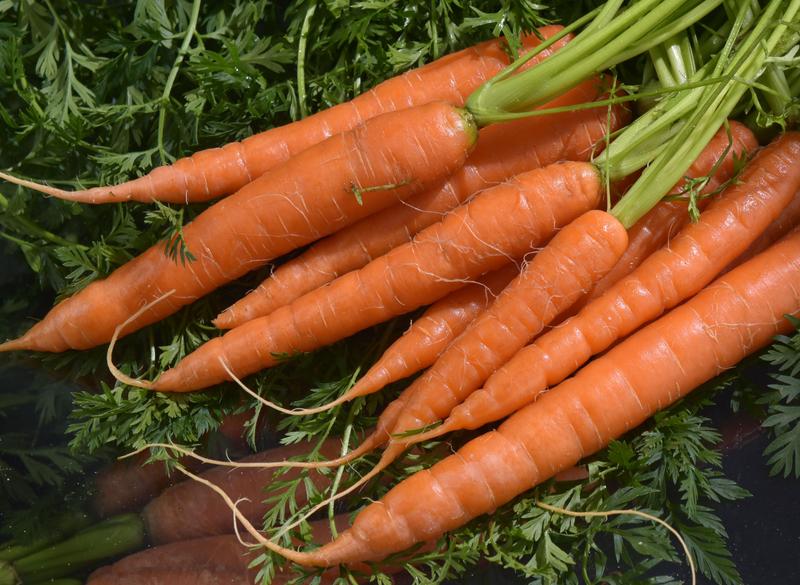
x=14 y=345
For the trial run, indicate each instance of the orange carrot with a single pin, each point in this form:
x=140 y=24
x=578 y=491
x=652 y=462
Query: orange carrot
x=787 y=220
x=166 y=516
x=666 y=278
x=218 y=171
x=667 y=218
x=557 y=276
x=500 y=224
x=503 y=150
x=429 y=336
x=306 y=198
x=650 y=370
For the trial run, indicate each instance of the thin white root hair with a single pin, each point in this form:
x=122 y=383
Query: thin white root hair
x=326 y=502
x=115 y=371
x=645 y=515
x=269 y=404
x=246 y=464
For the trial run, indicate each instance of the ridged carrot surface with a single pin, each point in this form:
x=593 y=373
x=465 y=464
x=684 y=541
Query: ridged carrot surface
x=667 y=218
x=501 y=224
x=502 y=151
x=429 y=336
x=219 y=171
x=669 y=276
x=650 y=370
x=302 y=200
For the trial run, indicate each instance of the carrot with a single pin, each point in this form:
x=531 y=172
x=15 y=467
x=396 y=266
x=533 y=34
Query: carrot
x=787 y=220
x=667 y=218
x=650 y=370
x=306 y=198
x=165 y=517
x=388 y=423
x=502 y=151
x=219 y=171
x=498 y=225
x=127 y=485
x=557 y=276
x=182 y=576
x=666 y=278
x=219 y=554
x=429 y=336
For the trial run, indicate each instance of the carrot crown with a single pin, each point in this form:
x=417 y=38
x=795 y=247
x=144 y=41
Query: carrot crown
x=740 y=69
x=609 y=39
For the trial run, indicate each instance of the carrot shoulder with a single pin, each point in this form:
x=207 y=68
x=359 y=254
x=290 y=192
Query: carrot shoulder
x=219 y=171
x=667 y=218
x=398 y=155
x=502 y=151
x=650 y=370
x=666 y=278
x=500 y=224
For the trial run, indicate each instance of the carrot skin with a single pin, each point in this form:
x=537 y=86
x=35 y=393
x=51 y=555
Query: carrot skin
x=191 y=510
x=210 y=173
x=735 y=316
x=667 y=218
x=502 y=151
x=182 y=576
x=557 y=276
x=498 y=225
x=429 y=336
x=222 y=554
x=304 y=199
x=666 y=278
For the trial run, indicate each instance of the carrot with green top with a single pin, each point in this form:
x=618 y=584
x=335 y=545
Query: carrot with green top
x=211 y=173
x=503 y=150
x=669 y=276
x=341 y=180
x=650 y=370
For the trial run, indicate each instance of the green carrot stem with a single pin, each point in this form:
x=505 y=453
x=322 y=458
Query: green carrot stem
x=626 y=35
x=711 y=113
x=31 y=228
x=106 y=539
x=60 y=528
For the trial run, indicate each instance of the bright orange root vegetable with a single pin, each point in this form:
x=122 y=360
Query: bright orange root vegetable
x=498 y=225
x=650 y=370
x=503 y=150
x=309 y=196
x=668 y=277
x=667 y=218
x=218 y=171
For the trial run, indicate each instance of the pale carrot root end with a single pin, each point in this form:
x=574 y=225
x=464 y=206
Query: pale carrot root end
x=18 y=344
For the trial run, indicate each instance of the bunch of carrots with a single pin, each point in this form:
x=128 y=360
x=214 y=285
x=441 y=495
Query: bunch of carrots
x=582 y=268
